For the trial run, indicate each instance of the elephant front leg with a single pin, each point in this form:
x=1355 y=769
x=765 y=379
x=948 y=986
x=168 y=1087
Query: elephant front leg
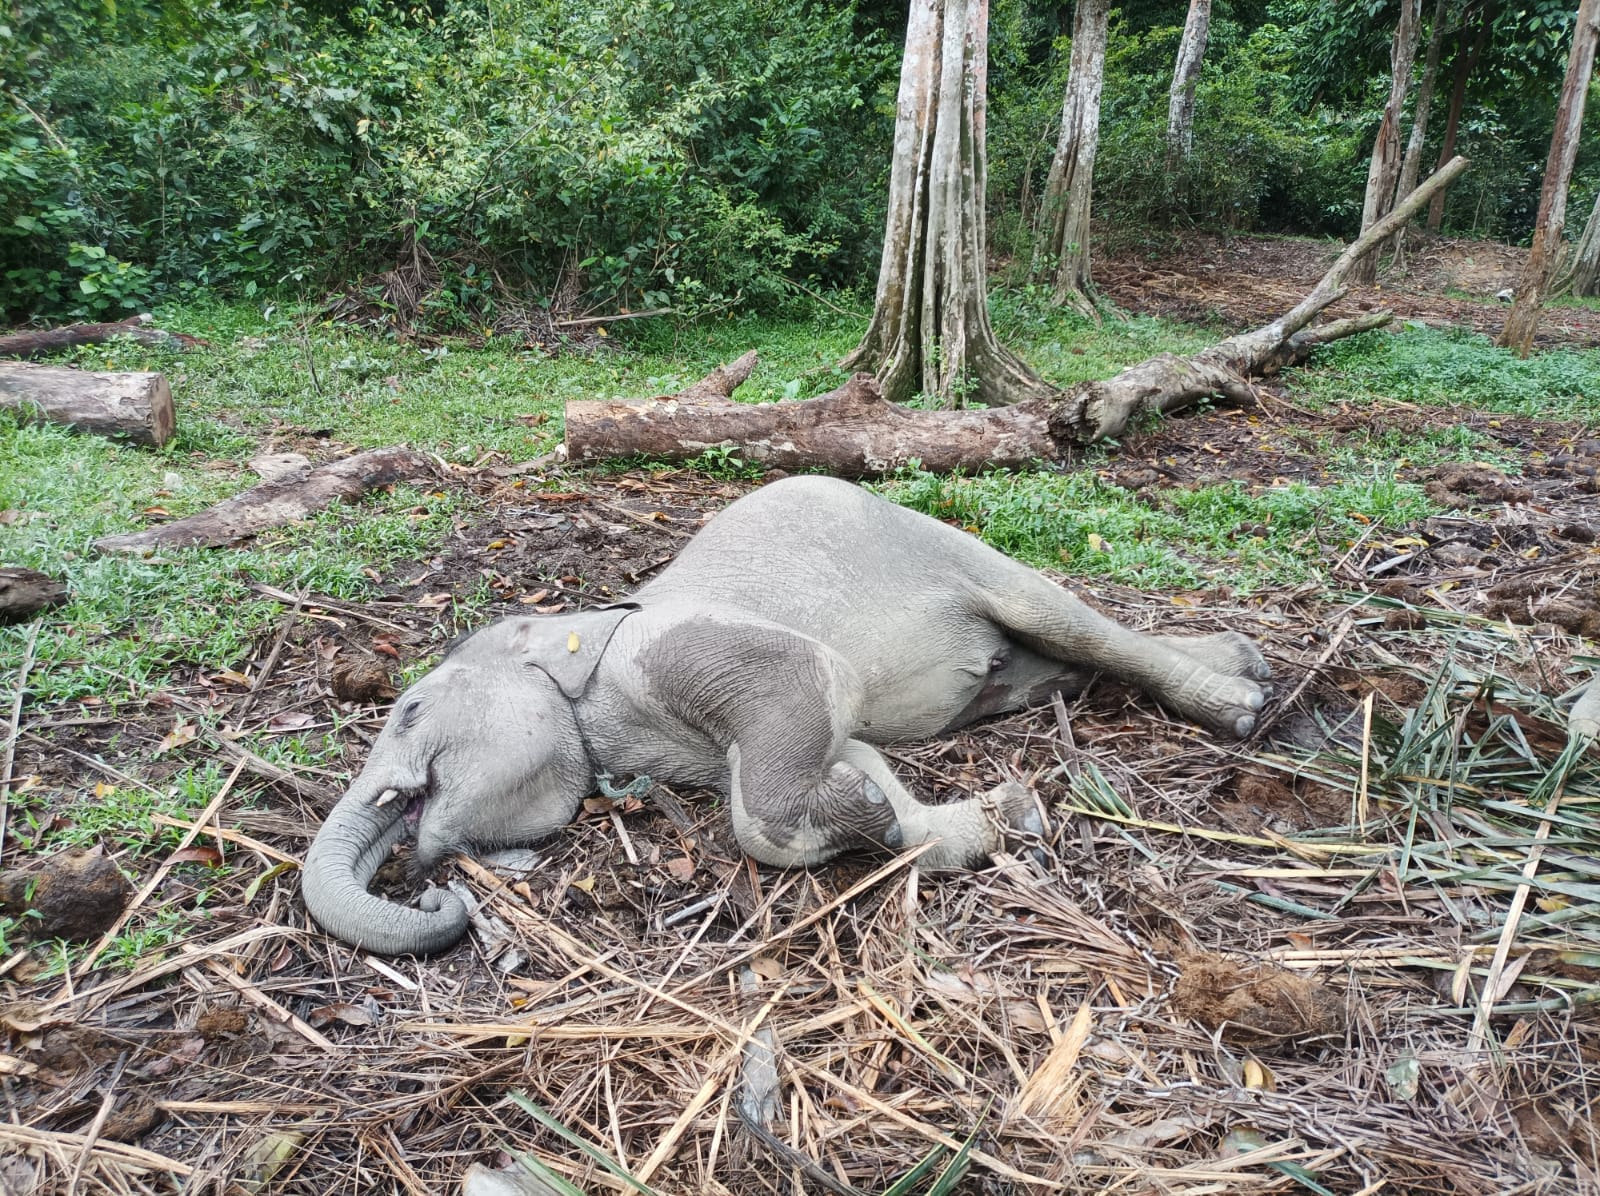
x=858 y=802
x=793 y=816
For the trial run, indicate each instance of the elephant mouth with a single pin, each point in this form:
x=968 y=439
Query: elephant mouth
x=412 y=813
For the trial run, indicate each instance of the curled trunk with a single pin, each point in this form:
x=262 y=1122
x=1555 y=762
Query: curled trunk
x=348 y=850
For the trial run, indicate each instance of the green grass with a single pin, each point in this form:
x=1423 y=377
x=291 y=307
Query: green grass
x=1246 y=537
x=1437 y=368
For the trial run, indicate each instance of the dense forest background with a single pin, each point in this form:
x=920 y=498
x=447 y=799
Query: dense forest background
x=698 y=154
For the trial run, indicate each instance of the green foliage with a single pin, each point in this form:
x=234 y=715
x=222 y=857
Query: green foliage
x=1443 y=368
x=681 y=151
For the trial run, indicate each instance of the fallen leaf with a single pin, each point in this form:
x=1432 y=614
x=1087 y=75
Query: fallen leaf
x=386 y=648
x=573 y=642
x=232 y=677
x=434 y=601
x=555 y=608
x=156 y=512
x=179 y=735
x=268 y=1155
x=681 y=868
x=586 y=885
x=208 y=856
x=278 y=869
x=103 y=790
x=339 y=1011
x=291 y=720
x=1258 y=1075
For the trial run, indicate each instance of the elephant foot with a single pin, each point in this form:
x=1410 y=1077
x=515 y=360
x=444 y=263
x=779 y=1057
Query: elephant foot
x=1230 y=685
x=1015 y=818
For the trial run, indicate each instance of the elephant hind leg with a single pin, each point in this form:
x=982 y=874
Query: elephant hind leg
x=1185 y=678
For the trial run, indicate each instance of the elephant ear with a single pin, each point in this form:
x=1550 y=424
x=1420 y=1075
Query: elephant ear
x=568 y=647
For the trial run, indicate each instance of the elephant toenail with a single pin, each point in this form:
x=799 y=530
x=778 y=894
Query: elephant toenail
x=1245 y=724
x=1255 y=701
x=874 y=795
x=1032 y=823
x=893 y=836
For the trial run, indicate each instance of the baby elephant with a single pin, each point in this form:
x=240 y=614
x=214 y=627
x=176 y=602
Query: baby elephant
x=805 y=623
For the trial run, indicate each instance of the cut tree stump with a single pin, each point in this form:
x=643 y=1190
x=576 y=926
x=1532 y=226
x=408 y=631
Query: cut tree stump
x=136 y=406
x=49 y=340
x=854 y=432
x=26 y=592
x=282 y=500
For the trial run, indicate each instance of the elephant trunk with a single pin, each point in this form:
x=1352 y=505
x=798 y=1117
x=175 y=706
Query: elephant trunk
x=354 y=841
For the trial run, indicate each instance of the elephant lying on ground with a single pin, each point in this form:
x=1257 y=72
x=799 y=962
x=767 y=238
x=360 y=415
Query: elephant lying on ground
x=806 y=622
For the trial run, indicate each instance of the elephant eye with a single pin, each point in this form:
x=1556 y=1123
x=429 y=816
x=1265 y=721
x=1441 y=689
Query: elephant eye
x=407 y=716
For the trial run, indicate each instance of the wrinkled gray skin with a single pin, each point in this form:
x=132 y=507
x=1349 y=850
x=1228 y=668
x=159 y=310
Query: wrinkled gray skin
x=805 y=623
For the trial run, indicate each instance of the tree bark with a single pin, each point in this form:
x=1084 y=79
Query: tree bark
x=49 y=340
x=1185 y=75
x=282 y=500
x=1466 y=59
x=1544 y=254
x=1582 y=271
x=135 y=406
x=1385 y=166
x=930 y=330
x=26 y=592
x=1411 y=168
x=1062 y=253
x=854 y=432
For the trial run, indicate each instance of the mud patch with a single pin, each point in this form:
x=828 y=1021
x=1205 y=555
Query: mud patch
x=1253 y=1005
x=1266 y=802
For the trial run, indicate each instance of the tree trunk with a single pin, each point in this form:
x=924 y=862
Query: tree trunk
x=280 y=501
x=1545 y=251
x=49 y=340
x=1466 y=59
x=1185 y=75
x=137 y=406
x=930 y=330
x=1411 y=169
x=1582 y=271
x=855 y=433
x=26 y=592
x=1385 y=168
x=1062 y=254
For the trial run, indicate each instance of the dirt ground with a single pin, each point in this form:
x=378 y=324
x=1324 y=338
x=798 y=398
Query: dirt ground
x=1232 y=967
x=1242 y=282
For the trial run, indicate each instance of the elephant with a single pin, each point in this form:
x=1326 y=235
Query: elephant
x=805 y=623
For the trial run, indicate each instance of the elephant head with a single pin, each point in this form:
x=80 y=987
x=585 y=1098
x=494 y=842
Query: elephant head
x=484 y=751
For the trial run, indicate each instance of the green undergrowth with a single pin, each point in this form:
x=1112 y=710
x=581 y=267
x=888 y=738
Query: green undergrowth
x=1450 y=368
x=1236 y=534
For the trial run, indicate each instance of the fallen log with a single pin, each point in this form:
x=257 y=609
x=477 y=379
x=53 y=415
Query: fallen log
x=26 y=592
x=136 y=406
x=854 y=432
x=36 y=342
x=277 y=502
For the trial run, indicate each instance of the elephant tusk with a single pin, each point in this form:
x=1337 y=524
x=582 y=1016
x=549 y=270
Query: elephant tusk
x=387 y=796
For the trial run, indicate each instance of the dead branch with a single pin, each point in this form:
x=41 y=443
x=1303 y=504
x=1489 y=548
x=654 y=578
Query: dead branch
x=37 y=342
x=280 y=501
